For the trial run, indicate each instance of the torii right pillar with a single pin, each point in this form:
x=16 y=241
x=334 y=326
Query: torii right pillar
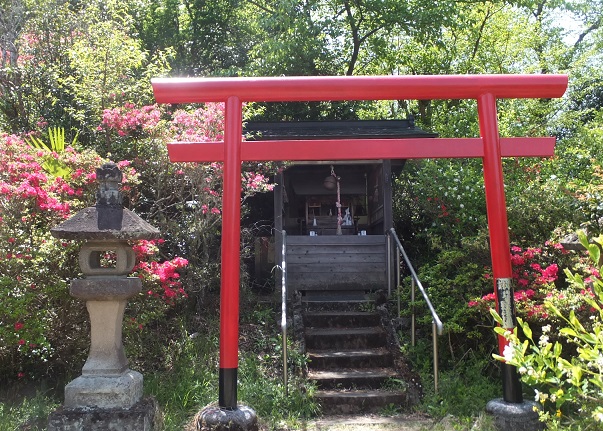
x=511 y=413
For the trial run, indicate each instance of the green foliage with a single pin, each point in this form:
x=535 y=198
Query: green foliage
x=30 y=413
x=32 y=95
x=463 y=390
x=56 y=139
x=208 y=38
x=178 y=355
x=182 y=389
x=564 y=364
x=109 y=67
x=451 y=280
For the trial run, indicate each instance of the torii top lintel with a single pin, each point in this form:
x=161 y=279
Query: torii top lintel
x=323 y=88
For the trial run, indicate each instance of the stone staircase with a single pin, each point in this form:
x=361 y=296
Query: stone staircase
x=350 y=360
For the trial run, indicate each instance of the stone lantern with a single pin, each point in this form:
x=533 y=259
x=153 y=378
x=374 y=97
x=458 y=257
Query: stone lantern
x=106 y=258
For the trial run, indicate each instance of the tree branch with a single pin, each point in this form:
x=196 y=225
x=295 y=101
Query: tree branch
x=594 y=26
x=260 y=6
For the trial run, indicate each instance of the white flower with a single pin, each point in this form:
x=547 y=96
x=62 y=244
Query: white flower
x=546 y=328
x=509 y=352
x=522 y=370
x=543 y=341
x=537 y=396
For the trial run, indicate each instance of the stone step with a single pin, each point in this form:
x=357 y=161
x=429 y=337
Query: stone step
x=340 y=319
x=360 y=358
x=344 y=338
x=366 y=378
x=358 y=401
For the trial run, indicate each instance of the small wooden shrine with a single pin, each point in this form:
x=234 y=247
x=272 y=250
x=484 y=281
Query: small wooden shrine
x=335 y=213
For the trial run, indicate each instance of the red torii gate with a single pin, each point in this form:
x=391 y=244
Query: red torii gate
x=486 y=89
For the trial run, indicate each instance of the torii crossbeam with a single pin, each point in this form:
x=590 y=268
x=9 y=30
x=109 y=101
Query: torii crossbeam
x=490 y=147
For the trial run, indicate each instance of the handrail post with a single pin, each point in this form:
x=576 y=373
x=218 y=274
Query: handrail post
x=389 y=264
x=437 y=327
x=398 y=277
x=284 y=309
x=435 y=356
x=412 y=316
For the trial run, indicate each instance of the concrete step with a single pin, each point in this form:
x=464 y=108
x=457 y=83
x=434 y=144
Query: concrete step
x=340 y=319
x=365 y=378
x=360 y=358
x=344 y=338
x=358 y=401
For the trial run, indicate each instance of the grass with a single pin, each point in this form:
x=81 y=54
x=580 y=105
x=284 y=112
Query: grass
x=464 y=389
x=179 y=361
x=28 y=413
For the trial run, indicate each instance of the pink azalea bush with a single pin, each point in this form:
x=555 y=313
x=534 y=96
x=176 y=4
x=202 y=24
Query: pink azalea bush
x=40 y=319
x=183 y=199
x=38 y=329
x=536 y=281
x=129 y=119
x=161 y=278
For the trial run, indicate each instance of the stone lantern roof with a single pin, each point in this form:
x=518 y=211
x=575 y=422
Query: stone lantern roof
x=108 y=219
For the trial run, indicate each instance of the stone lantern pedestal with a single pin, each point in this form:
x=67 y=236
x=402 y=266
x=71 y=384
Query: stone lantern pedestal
x=108 y=395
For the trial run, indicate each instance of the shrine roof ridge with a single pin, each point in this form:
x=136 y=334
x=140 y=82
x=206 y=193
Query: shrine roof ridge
x=334 y=129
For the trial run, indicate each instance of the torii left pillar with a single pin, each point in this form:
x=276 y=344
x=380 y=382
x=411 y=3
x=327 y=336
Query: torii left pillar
x=235 y=417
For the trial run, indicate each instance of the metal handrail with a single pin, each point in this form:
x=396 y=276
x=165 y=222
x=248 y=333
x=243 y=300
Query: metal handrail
x=284 y=308
x=437 y=326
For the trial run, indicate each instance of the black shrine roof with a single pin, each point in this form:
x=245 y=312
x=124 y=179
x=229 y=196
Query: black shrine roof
x=342 y=129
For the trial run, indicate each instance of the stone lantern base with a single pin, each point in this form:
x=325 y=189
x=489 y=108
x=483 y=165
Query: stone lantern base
x=104 y=392
x=143 y=416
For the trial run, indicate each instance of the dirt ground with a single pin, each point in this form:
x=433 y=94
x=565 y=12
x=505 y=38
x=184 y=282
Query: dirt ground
x=369 y=422
x=408 y=422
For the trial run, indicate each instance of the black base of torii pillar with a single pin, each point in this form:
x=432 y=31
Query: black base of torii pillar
x=515 y=416
x=216 y=418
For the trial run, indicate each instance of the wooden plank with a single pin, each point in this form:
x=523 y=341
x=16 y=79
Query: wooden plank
x=387 y=196
x=334 y=258
x=321 y=278
x=336 y=262
x=359 y=267
x=336 y=240
x=278 y=226
x=305 y=250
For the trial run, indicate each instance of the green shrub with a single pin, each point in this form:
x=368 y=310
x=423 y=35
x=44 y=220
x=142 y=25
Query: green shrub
x=564 y=364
